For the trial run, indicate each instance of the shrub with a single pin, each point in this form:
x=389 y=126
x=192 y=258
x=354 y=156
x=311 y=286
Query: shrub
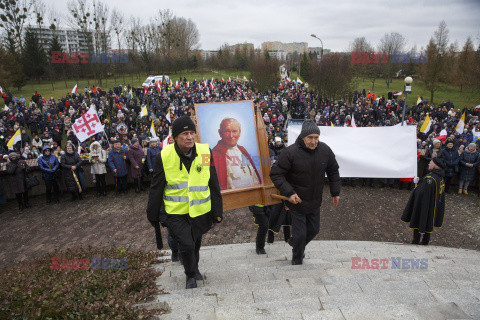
x=33 y=290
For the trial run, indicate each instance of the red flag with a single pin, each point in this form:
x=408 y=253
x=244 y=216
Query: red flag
x=74 y=89
x=443 y=135
x=398 y=94
x=145 y=90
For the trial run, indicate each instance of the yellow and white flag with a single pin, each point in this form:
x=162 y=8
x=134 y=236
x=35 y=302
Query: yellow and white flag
x=419 y=101
x=426 y=125
x=152 y=130
x=461 y=124
x=15 y=138
x=144 y=112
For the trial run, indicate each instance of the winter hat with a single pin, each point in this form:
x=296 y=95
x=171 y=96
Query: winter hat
x=12 y=155
x=472 y=144
x=435 y=141
x=278 y=139
x=439 y=162
x=309 y=127
x=182 y=124
x=134 y=140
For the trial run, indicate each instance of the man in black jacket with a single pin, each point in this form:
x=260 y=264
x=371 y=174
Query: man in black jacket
x=300 y=175
x=184 y=223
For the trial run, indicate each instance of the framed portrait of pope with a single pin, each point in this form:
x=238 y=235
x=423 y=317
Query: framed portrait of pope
x=229 y=130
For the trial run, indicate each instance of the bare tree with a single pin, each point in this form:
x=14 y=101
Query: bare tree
x=393 y=44
x=14 y=14
x=117 y=21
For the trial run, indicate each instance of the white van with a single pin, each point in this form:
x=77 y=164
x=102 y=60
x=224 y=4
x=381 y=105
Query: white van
x=151 y=80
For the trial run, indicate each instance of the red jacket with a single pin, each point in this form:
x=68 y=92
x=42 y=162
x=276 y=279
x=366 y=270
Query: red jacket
x=220 y=161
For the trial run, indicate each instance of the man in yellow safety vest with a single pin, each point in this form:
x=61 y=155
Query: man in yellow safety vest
x=185 y=194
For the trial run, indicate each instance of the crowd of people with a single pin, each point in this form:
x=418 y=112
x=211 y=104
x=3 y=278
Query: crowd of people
x=128 y=147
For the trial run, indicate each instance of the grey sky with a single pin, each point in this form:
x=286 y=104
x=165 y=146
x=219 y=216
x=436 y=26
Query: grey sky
x=337 y=23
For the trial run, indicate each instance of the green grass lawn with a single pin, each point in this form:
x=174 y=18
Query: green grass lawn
x=445 y=92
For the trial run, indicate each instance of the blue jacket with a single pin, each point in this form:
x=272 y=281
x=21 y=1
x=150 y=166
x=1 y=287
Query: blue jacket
x=48 y=164
x=116 y=161
x=151 y=153
x=468 y=173
x=452 y=158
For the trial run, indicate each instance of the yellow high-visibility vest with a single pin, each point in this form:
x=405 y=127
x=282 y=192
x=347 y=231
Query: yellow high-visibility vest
x=187 y=193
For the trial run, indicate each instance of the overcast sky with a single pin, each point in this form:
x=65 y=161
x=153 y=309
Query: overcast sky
x=337 y=23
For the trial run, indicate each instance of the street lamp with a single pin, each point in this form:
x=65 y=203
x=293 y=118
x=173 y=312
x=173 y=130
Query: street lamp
x=321 y=52
x=407 y=89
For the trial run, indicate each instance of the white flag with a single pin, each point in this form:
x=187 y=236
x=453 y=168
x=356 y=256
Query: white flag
x=74 y=89
x=87 y=125
x=165 y=142
x=152 y=130
x=79 y=150
x=461 y=124
x=353 y=121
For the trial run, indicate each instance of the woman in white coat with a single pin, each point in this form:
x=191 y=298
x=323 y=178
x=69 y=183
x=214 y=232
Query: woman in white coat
x=98 y=158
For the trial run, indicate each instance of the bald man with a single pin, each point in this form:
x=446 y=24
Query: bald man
x=235 y=167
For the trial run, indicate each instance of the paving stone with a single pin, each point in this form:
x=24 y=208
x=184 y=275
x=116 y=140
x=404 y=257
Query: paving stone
x=239 y=284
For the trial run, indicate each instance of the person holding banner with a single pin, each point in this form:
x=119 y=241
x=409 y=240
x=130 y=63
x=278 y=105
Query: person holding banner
x=300 y=175
x=185 y=195
x=71 y=164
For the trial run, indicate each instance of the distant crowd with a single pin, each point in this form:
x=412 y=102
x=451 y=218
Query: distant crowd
x=46 y=128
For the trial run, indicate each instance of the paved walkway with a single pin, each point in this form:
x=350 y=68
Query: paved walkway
x=242 y=285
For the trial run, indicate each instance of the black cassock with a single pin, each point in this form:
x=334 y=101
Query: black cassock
x=426 y=207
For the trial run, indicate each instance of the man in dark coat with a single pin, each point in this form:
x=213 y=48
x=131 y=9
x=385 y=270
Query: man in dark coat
x=71 y=164
x=48 y=163
x=187 y=230
x=136 y=156
x=117 y=160
x=426 y=207
x=16 y=170
x=300 y=175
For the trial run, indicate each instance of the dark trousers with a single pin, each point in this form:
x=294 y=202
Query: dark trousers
x=180 y=229
x=262 y=221
x=49 y=185
x=417 y=235
x=448 y=181
x=22 y=198
x=101 y=184
x=171 y=242
x=305 y=226
x=121 y=184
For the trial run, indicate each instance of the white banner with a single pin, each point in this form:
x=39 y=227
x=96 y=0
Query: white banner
x=371 y=152
x=87 y=125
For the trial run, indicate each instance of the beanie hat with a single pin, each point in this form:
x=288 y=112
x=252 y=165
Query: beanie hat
x=12 y=155
x=472 y=144
x=309 y=127
x=134 y=140
x=435 y=141
x=439 y=162
x=278 y=139
x=182 y=124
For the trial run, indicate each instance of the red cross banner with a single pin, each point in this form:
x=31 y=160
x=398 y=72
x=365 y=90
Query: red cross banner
x=87 y=125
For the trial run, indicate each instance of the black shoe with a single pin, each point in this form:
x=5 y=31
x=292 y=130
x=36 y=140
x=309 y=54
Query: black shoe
x=174 y=256
x=56 y=201
x=415 y=242
x=98 y=194
x=270 y=237
x=137 y=190
x=198 y=275
x=296 y=262
x=260 y=251
x=80 y=197
x=20 y=206
x=49 y=202
x=125 y=192
x=27 y=205
x=191 y=283
x=104 y=193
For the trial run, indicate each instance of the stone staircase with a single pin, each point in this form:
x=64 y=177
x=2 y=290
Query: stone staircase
x=239 y=284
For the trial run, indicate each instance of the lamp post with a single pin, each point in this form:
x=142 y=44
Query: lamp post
x=407 y=89
x=321 y=51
